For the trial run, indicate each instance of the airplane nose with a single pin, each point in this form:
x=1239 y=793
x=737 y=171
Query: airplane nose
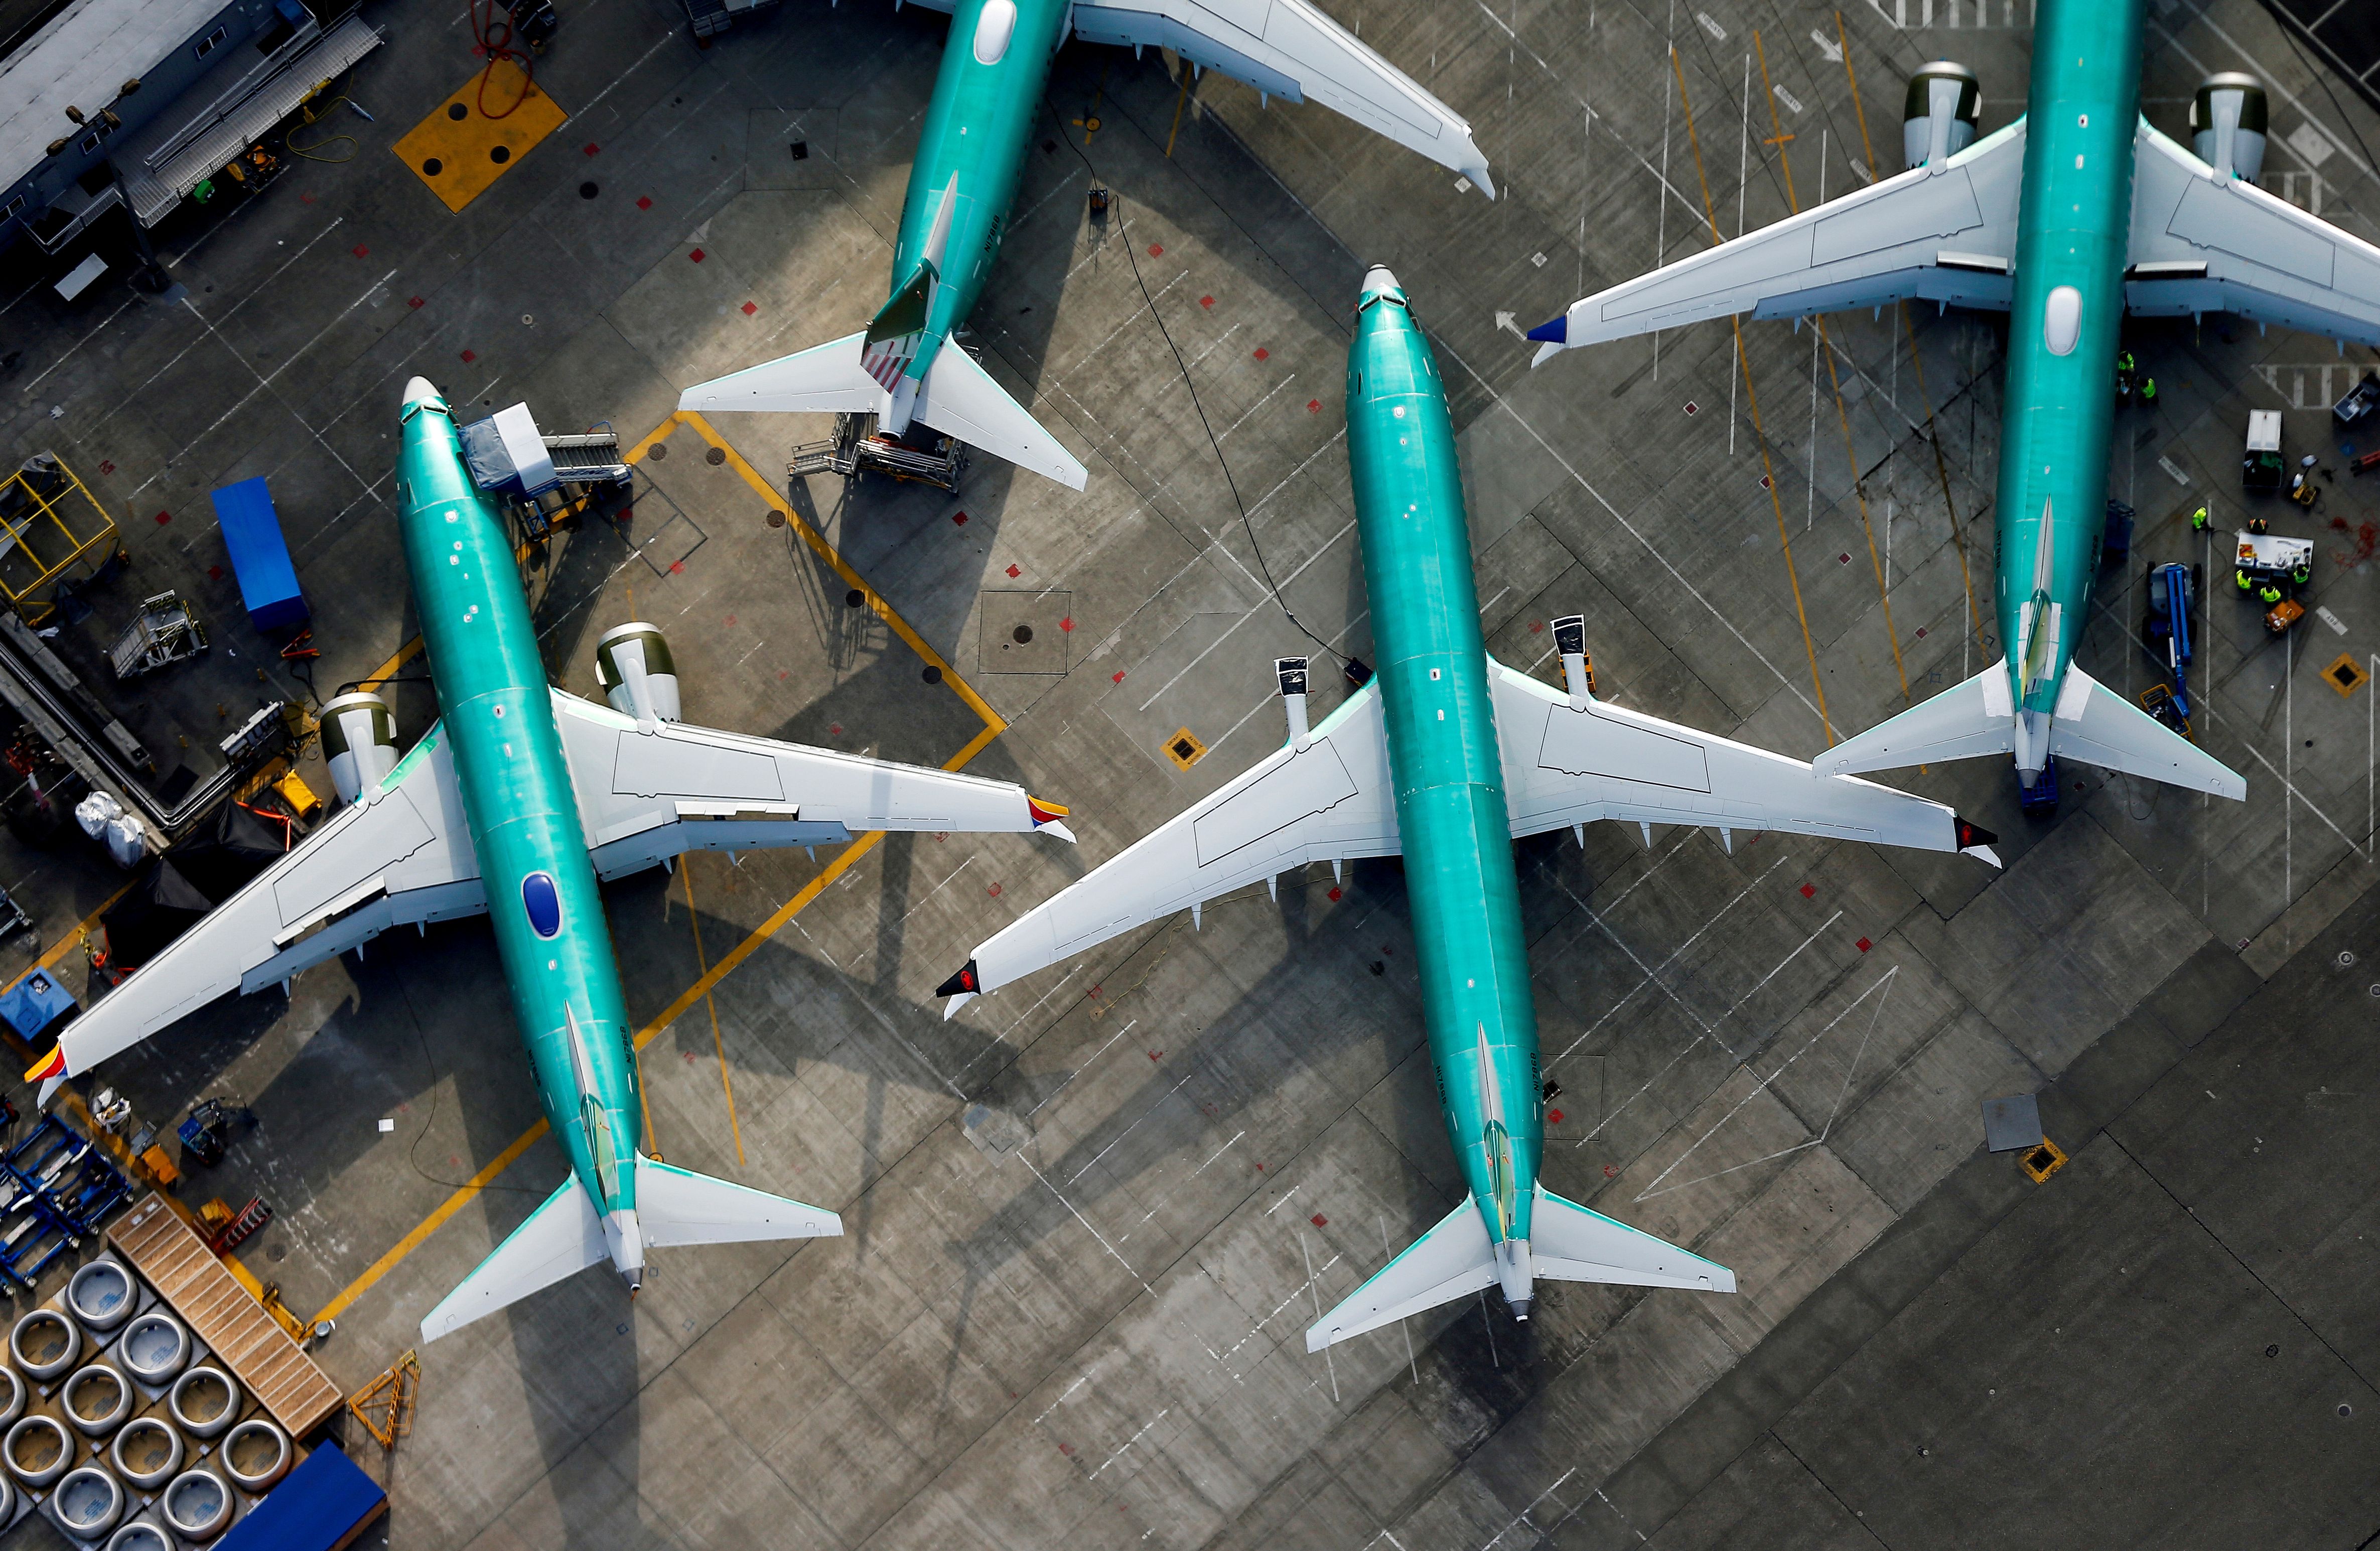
x=1380 y=278
x=419 y=391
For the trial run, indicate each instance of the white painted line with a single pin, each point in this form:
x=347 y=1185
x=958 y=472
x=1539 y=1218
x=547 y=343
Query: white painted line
x=2337 y=626
x=81 y=342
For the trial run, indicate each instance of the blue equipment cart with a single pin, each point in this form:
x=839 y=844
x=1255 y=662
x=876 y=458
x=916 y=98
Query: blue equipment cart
x=259 y=557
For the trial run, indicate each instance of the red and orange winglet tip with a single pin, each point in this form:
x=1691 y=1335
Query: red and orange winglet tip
x=52 y=1065
x=1049 y=816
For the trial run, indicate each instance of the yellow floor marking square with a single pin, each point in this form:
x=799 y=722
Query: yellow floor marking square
x=459 y=150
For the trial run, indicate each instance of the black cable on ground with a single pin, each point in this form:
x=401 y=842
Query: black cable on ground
x=1212 y=441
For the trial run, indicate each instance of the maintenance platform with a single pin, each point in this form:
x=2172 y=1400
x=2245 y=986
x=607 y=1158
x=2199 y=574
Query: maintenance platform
x=1089 y=1220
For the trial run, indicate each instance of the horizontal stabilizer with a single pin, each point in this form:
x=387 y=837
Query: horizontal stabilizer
x=961 y=398
x=1964 y=722
x=2114 y=734
x=824 y=379
x=1451 y=1261
x=560 y=1239
x=1575 y=1244
x=679 y=1206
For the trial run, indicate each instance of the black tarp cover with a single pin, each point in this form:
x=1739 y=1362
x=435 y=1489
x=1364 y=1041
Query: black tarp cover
x=202 y=872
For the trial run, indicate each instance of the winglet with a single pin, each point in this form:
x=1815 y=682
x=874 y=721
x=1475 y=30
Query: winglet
x=1975 y=840
x=1049 y=818
x=52 y=1067
x=1555 y=331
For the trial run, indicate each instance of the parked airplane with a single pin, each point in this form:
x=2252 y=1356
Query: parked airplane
x=2064 y=219
x=979 y=126
x=1446 y=757
x=515 y=803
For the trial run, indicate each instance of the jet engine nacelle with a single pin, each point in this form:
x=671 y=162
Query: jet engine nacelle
x=2227 y=123
x=1939 y=116
x=359 y=742
x=633 y=664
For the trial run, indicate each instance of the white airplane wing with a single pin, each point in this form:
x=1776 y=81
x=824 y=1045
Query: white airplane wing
x=1325 y=801
x=1570 y=763
x=648 y=792
x=1290 y=49
x=824 y=379
x=959 y=396
x=1944 y=234
x=2206 y=243
x=401 y=856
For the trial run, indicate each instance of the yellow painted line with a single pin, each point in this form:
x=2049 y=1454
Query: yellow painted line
x=387 y=670
x=460 y=150
x=718 y=1045
x=59 y=949
x=702 y=989
x=1751 y=398
x=825 y=550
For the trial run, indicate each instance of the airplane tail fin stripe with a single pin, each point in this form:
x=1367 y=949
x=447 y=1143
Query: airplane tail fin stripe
x=560 y=1239
x=679 y=1206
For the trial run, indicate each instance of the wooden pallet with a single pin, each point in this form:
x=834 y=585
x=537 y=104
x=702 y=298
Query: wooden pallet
x=219 y=1311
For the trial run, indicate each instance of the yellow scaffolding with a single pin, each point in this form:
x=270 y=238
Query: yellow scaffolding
x=39 y=547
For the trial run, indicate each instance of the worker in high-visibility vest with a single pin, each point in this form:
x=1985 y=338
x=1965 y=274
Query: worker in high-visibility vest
x=2269 y=593
x=2246 y=584
x=2199 y=520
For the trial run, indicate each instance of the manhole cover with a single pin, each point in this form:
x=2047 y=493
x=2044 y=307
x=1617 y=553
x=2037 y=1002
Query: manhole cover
x=715 y=457
x=776 y=519
x=588 y=190
x=933 y=675
x=1022 y=635
x=854 y=598
x=1025 y=632
x=658 y=451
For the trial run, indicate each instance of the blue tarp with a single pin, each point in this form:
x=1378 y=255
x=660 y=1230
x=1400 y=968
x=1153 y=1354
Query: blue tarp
x=259 y=557
x=316 y=1507
x=35 y=1003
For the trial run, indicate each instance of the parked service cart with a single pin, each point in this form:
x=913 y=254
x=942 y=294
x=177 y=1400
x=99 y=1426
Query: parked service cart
x=2272 y=558
x=2263 y=469
x=260 y=556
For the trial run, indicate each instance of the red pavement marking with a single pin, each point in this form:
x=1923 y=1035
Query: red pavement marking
x=1843 y=559
x=1263 y=354
x=993 y=891
x=1693 y=408
x=592 y=148
x=1119 y=676
x=1537 y=627
x=107 y=468
x=1157 y=250
x=1809 y=891
x=959 y=518
x=361 y=250
x=413 y=301
x=1314 y=406
x=1321 y=1221
x=164 y=518
x=677 y=567
x=1154 y=1055
x=305 y=198
x=644 y=201
x=1611 y=1172
x=468 y=357
x=1864 y=944
x=1014 y=571
x=1921 y=632
x=1337 y=894
x=1067 y=623
x=835 y=729
x=1206 y=301
x=1554 y=1116
x=214 y=573
x=698 y=255
x=750 y=307
x=1764 y=483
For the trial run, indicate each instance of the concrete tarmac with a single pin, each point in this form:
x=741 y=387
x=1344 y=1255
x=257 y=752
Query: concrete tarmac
x=1090 y=1219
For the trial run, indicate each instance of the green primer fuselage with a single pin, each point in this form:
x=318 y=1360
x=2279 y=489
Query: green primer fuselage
x=979 y=126
x=1443 y=759
x=497 y=716
x=2074 y=226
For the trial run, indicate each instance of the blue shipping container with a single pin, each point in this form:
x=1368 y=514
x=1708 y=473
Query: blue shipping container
x=267 y=582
